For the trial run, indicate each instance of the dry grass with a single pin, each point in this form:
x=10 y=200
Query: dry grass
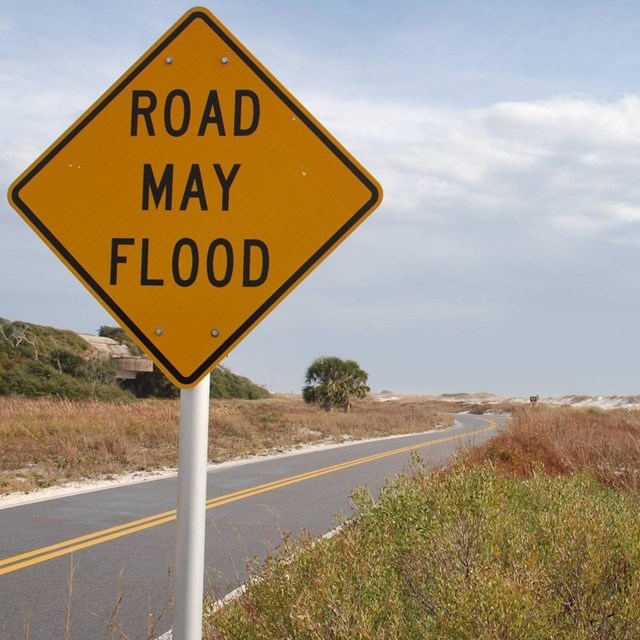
x=563 y=441
x=47 y=442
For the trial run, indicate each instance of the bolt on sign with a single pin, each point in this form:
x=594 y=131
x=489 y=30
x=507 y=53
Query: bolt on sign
x=193 y=196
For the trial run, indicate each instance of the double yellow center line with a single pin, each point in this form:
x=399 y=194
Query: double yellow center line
x=15 y=563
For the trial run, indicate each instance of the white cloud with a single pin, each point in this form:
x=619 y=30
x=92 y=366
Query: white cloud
x=565 y=118
x=624 y=212
x=569 y=161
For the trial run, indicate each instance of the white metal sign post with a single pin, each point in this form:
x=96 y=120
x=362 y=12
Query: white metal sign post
x=190 y=525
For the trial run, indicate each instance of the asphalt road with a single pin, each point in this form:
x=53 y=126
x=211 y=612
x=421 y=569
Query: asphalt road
x=81 y=566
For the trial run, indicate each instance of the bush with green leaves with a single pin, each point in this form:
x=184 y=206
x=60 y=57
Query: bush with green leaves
x=333 y=382
x=464 y=555
x=226 y=385
x=43 y=361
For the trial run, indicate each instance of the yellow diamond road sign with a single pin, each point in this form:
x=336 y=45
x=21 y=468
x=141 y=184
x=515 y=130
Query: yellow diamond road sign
x=193 y=196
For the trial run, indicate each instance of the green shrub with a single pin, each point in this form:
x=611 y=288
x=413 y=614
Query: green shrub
x=40 y=361
x=467 y=555
x=226 y=384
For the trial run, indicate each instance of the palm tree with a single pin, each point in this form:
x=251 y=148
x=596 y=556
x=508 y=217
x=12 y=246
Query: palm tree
x=333 y=382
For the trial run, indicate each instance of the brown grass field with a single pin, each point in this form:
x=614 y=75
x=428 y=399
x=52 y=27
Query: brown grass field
x=48 y=442
x=564 y=441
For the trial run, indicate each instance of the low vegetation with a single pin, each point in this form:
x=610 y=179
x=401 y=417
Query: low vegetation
x=535 y=535
x=47 y=442
x=38 y=361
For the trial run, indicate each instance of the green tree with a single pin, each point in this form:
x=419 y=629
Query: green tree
x=333 y=382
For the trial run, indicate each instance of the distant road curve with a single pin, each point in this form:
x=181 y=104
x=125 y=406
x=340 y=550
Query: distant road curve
x=117 y=544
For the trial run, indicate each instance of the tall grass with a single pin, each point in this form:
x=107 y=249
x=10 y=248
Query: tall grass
x=46 y=442
x=564 y=441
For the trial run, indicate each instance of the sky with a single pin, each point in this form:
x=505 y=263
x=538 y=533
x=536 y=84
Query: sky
x=505 y=256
